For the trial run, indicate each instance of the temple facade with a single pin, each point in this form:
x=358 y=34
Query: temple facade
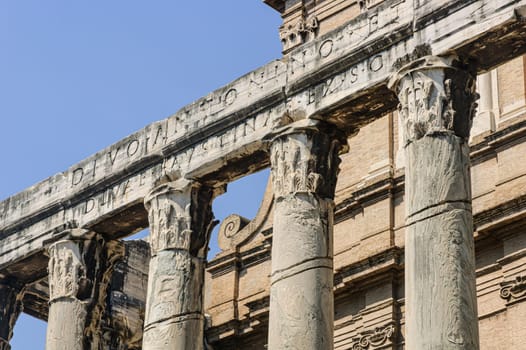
x=395 y=134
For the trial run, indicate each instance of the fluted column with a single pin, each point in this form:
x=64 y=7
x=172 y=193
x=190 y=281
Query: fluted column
x=74 y=265
x=304 y=166
x=437 y=103
x=11 y=306
x=180 y=217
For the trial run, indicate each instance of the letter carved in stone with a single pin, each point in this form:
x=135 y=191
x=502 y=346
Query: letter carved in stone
x=515 y=289
x=436 y=100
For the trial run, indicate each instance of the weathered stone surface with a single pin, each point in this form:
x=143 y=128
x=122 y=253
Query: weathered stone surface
x=180 y=222
x=340 y=77
x=74 y=268
x=304 y=165
x=369 y=239
x=125 y=302
x=437 y=104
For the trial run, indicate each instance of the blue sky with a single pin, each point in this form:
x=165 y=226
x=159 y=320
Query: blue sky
x=77 y=76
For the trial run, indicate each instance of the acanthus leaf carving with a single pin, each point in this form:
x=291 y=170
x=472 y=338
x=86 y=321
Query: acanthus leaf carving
x=74 y=263
x=435 y=97
x=305 y=161
x=180 y=216
x=169 y=217
x=515 y=289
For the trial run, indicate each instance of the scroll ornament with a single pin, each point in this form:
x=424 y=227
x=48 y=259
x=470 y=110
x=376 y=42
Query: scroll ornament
x=373 y=338
x=515 y=289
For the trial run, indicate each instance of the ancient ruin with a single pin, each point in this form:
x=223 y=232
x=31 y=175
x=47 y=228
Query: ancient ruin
x=392 y=219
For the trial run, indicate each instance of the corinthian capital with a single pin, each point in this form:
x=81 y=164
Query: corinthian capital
x=304 y=158
x=73 y=263
x=180 y=216
x=437 y=95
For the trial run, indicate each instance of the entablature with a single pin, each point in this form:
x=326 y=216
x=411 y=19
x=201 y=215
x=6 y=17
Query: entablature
x=340 y=77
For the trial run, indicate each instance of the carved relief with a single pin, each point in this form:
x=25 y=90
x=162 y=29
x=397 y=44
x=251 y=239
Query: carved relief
x=301 y=32
x=74 y=276
x=435 y=98
x=453 y=251
x=372 y=339
x=180 y=216
x=232 y=225
x=305 y=161
x=515 y=289
x=170 y=220
x=69 y=275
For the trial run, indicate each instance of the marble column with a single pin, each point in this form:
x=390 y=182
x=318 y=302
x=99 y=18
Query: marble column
x=180 y=217
x=304 y=166
x=437 y=104
x=73 y=273
x=485 y=118
x=11 y=306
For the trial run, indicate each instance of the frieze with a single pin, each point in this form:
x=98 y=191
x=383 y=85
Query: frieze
x=513 y=290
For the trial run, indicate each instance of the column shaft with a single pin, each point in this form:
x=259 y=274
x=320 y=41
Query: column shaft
x=180 y=218
x=437 y=107
x=304 y=165
x=11 y=306
x=73 y=269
